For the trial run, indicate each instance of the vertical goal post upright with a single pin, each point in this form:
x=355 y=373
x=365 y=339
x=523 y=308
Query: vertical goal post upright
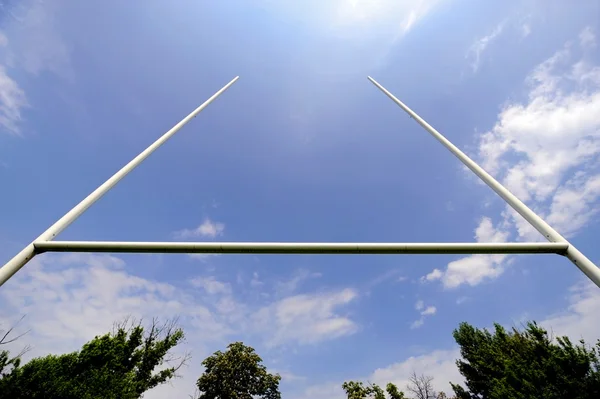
x=556 y=245
x=573 y=254
x=19 y=260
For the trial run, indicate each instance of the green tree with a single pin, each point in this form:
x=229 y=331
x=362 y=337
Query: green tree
x=121 y=364
x=357 y=390
x=237 y=373
x=525 y=365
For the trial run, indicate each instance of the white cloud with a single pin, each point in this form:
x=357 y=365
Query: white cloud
x=383 y=278
x=474 y=269
x=74 y=297
x=307 y=319
x=540 y=129
x=555 y=139
x=525 y=30
x=580 y=318
x=36 y=44
x=462 y=300
x=211 y=285
x=436 y=274
x=480 y=45
x=12 y=101
x=486 y=232
x=287 y=376
x=289 y=286
x=424 y=312
x=587 y=38
x=573 y=203
x=419 y=305
x=255 y=282
x=439 y=364
x=208 y=229
x=417 y=323
x=430 y=310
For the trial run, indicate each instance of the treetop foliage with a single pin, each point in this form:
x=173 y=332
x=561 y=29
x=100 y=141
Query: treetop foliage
x=526 y=364
x=237 y=373
x=121 y=364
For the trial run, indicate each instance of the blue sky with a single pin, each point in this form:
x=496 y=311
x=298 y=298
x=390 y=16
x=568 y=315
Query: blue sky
x=301 y=148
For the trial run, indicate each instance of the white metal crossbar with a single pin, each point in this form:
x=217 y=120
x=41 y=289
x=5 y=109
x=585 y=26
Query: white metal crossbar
x=556 y=245
x=304 y=247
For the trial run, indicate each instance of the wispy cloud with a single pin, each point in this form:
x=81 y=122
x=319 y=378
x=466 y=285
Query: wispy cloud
x=289 y=286
x=579 y=318
x=363 y=14
x=255 y=281
x=587 y=38
x=38 y=45
x=211 y=285
x=308 y=319
x=424 y=312
x=428 y=311
x=481 y=44
x=287 y=376
x=461 y=300
x=390 y=276
x=12 y=97
x=12 y=101
x=208 y=229
x=34 y=46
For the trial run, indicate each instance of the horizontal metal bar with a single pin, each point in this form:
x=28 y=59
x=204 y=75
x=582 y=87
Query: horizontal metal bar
x=301 y=247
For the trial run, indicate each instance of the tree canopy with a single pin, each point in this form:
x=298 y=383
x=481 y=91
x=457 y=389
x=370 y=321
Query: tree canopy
x=237 y=373
x=525 y=365
x=357 y=390
x=129 y=361
x=121 y=364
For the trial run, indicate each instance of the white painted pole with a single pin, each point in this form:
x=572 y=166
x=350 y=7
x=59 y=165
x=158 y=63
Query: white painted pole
x=16 y=263
x=303 y=247
x=583 y=263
